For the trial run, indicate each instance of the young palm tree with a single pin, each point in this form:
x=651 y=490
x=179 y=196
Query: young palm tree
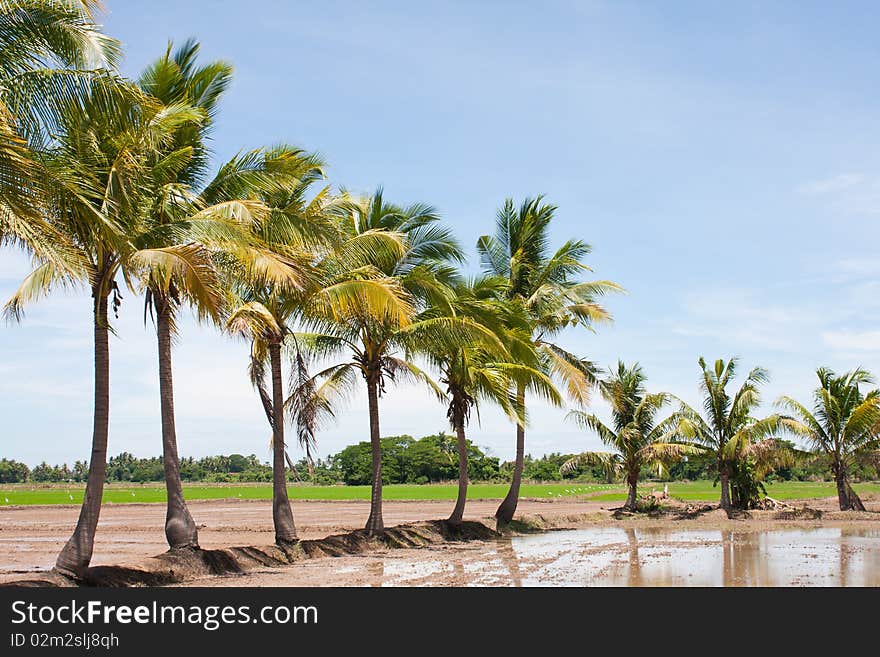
x=107 y=148
x=636 y=436
x=729 y=428
x=52 y=52
x=844 y=425
x=543 y=285
x=477 y=372
x=384 y=348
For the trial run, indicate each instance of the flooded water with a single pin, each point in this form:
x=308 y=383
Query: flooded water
x=606 y=557
x=640 y=557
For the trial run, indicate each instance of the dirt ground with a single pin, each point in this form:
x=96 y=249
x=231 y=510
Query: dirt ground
x=32 y=536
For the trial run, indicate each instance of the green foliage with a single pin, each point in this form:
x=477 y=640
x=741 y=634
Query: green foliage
x=13 y=472
x=409 y=461
x=547 y=468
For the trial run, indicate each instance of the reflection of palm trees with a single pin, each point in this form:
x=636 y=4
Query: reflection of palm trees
x=743 y=562
x=864 y=570
x=635 y=566
x=458 y=574
x=510 y=559
x=843 y=552
x=727 y=558
x=376 y=572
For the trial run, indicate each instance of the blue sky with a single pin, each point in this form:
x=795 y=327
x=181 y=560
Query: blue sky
x=722 y=158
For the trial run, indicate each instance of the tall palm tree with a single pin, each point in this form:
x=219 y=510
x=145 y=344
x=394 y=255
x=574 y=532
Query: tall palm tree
x=333 y=283
x=107 y=149
x=844 y=425
x=51 y=52
x=186 y=231
x=544 y=285
x=476 y=372
x=635 y=435
x=729 y=428
x=383 y=348
x=175 y=273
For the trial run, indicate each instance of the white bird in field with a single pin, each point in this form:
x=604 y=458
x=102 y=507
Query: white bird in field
x=7 y=500
x=132 y=493
x=70 y=496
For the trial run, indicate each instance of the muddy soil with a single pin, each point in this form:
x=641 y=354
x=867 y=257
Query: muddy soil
x=31 y=537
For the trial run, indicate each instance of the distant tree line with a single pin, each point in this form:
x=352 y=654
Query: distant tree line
x=430 y=459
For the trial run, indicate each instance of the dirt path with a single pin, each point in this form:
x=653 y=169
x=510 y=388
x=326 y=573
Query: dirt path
x=32 y=536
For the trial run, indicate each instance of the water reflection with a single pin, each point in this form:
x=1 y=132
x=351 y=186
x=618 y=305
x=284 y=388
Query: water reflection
x=646 y=557
x=657 y=557
x=608 y=556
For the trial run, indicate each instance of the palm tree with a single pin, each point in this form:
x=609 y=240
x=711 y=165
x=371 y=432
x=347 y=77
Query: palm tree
x=177 y=269
x=729 y=428
x=186 y=232
x=543 y=286
x=52 y=53
x=332 y=283
x=844 y=425
x=476 y=372
x=384 y=347
x=107 y=149
x=635 y=435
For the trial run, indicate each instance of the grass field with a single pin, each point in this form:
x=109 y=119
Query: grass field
x=24 y=494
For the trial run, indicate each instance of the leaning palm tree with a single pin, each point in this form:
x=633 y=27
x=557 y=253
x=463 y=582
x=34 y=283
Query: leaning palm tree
x=52 y=54
x=384 y=348
x=480 y=372
x=844 y=425
x=108 y=150
x=332 y=284
x=635 y=435
x=729 y=428
x=544 y=287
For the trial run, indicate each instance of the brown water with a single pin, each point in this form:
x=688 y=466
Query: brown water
x=606 y=557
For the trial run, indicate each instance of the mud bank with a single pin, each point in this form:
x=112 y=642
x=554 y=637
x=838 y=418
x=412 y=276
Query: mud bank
x=176 y=566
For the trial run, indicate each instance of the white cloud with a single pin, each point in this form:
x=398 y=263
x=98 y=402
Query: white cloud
x=833 y=184
x=846 y=193
x=741 y=318
x=851 y=341
x=859 y=266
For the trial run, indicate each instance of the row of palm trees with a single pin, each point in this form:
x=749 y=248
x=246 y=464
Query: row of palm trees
x=107 y=183
x=842 y=426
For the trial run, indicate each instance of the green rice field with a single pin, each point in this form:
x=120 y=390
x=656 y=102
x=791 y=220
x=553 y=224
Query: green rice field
x=27 y=494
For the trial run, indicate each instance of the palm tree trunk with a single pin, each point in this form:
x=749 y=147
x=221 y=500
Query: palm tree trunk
x=847 y=498
x=375 y=524
x=633 y=484
x=507 y=508
x=842 y=493
x=458 y=511
x=77 y=552
x=180 y=529
x=282 y=516
x=725 y=487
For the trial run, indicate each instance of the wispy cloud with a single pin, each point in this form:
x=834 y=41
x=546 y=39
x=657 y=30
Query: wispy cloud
x=741 y=318
x=845 y=193
x=833 y=184
x=859 y=266
x=852 y=341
